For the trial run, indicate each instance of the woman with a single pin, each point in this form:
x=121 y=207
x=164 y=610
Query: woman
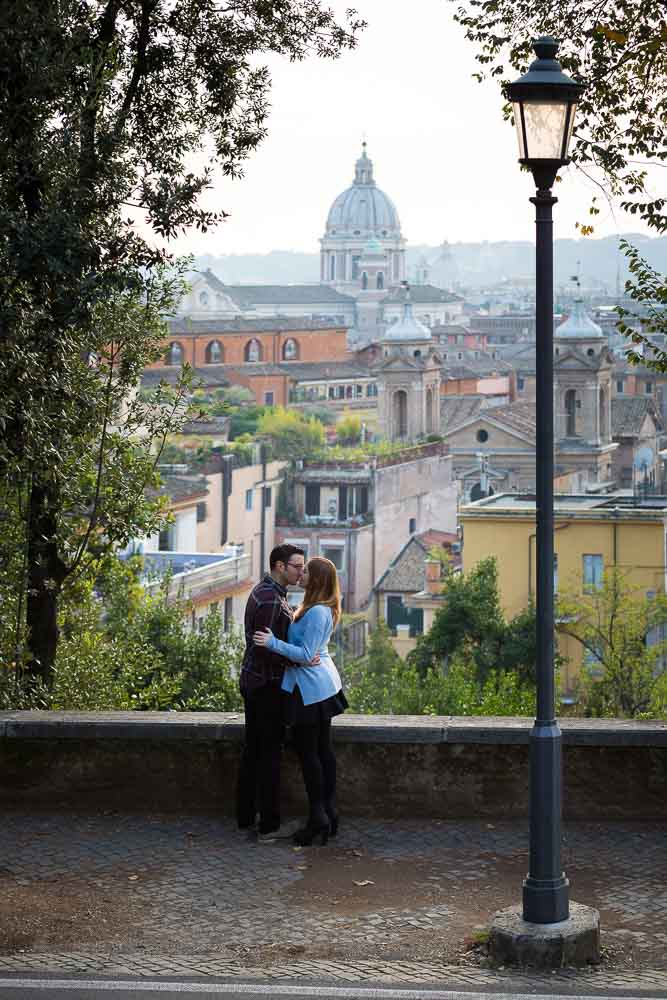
x=316 y=694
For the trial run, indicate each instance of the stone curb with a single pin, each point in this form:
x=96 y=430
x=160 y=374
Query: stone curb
x=143 y=965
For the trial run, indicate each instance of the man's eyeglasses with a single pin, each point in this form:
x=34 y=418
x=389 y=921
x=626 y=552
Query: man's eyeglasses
x=294 y=565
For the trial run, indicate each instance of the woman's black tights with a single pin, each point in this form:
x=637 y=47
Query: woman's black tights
x=318 y=764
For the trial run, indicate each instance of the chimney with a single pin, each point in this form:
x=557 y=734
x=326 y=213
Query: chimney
x=433 y=569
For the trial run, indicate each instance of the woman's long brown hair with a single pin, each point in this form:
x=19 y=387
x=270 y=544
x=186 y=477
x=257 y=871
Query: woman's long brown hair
x=322 y=588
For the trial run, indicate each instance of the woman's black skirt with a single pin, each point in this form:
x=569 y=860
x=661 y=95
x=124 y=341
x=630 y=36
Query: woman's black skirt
x=298 y=714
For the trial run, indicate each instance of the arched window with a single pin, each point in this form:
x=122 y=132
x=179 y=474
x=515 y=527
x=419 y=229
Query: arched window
x=571 y=413
x=290 y=350
x=175 y=354
x=400 y=414
x=253 y=351
x=380 y=279
x=417 y=353
x=203 y=298
x=214 y=353
x=364 y=280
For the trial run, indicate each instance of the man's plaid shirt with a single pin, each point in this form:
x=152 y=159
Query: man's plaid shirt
x=267 y=607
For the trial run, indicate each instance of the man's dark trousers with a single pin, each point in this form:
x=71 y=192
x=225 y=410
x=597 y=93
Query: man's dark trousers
x=259 y=773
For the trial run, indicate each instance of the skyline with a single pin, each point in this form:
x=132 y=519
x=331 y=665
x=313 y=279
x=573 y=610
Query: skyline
x=449 y=179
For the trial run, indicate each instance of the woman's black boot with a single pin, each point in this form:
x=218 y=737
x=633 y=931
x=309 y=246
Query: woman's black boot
x=332 y=813
x=317 y=828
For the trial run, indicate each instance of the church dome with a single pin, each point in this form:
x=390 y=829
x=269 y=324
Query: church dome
x=407 y=328
x=578 y=325
x=363 y=209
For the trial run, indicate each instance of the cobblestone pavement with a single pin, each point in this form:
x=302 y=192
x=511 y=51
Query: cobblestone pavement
x=387 y=901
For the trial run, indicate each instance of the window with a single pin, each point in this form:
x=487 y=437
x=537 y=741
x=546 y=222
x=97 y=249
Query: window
x=412 y=525
x=268 y=399
x=253 y=351
x=201 y=512
x=268 y=498
x=203 y=298
x=620 y=384
x=335 y=554
x=332 y=267
x=248 y=499
x=570 y=413
x=352 y=501
x=166 y=539
x=364 y=280
x=593 y=570
x=290 y=350
x=648 y=388
x=555 y=573
x=593 y=663
x=229 y=613
x=355 y=267
x=371 y=390
x=312 y=499
x=520 y=384
x=175 y=354
x=214 y=353
x=380 y=280
x=482 y=435
x=397 y=614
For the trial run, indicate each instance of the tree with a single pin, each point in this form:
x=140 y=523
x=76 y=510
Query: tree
x=348 y=429
x=77 y=465
x=470 y=613
x=619 y=48
x=105 y=105
x=291 y=434
x=615 y=625
x=471 y=619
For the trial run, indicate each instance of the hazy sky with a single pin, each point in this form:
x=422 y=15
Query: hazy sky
x=438 y=142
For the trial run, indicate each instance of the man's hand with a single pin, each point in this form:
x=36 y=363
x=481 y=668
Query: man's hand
x=261 y=638
x=315 y=662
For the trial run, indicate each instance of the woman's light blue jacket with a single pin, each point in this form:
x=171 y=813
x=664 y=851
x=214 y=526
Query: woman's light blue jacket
x=307 y=636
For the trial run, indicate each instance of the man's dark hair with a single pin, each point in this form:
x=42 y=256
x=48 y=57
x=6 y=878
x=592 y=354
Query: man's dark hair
x=283 y=554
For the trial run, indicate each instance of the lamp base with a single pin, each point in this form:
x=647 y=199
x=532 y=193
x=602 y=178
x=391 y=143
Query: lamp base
x=575 y=941
x=546 y=901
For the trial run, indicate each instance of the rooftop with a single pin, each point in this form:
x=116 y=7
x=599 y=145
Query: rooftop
x=183 y=326
x=571 y=505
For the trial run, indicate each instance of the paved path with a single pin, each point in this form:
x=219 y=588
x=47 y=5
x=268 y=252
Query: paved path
x=390 y=902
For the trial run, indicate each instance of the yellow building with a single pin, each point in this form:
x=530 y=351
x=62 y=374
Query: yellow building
x=592 y=534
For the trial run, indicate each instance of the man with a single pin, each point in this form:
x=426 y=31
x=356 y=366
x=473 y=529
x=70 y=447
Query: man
x=260 y=682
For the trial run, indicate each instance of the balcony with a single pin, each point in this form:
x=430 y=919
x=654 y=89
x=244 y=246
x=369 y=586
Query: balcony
x=195 y=576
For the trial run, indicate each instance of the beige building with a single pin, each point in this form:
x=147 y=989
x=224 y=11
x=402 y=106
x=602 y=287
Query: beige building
x=360 y=514
x=221 y=532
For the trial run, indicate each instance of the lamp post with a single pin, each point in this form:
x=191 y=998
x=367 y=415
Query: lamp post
x=544 y=102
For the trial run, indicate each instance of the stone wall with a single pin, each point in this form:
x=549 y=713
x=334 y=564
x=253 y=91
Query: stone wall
x=400 y=767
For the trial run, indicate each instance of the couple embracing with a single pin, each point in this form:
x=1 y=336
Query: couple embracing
x=289 y=678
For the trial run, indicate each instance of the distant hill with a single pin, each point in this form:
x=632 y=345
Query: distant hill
x=474 y=264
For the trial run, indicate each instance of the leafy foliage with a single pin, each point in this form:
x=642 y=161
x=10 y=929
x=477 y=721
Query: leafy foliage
x=612 y=623
x=648 y=289
x=619 y=48
x=348 y=429
x=104 y=107
x=291 y=434
x=384 y=684
x=125 y=648
x=471 y=618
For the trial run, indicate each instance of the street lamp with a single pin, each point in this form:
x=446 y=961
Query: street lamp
x=544 y=102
